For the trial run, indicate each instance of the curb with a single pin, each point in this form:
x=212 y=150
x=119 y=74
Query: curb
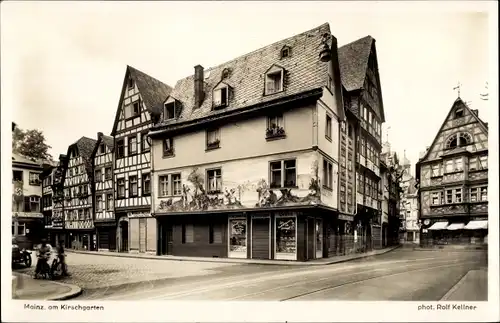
x=451 y=249
x=222 y=260
x=455 y=287
x=74 y=292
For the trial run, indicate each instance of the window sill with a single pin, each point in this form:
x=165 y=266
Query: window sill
x=132 y=155
x=209 y=148
x=453 y=172
x=272 y=93
x=169 y=196
x=327 y=188
x=328 y=138
x=436 y=176
x=168 y=155
x=146 y=194
x=275 y=137
x=477 y=170
x=131 y=196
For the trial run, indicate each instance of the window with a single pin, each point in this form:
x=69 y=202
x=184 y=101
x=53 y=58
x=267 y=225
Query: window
x=454 y=196
x=473 y=194
x=133 y=110
x=132 y=186
x=109 y=202
x=17 y=175
x=328 y=174
x=34 y=203
x=220 y=97
x=473 y=163
x=163 y=186
x=449 y=196
x=328 y=127
x=285 y=52
x=102 y=150
x=34 y=179
x=107 y=173
x=170 y=111
x=458 y=195
x=436 y=170
x=213 y=138
x=98 y=175
x=144 y=142
x=448 y=166
x=77 y=170
x=369 y=117
x=361 y=111
x=286 y=240
x=120 y=148
x=176 y=184
x=436 y=198
x=274 y=82
x=121 y=187
x=214 y=184
x=146 y=184
x=132 y=145
x=168 y=147
x=21 y=229
x=99 y=204
x=483 y=162
x=484 y=194
x=349 y=131
x=458 y=164
x=130 y=83
x=362 y=152
x=460 y=139
x=459 y=113
x=283 y=173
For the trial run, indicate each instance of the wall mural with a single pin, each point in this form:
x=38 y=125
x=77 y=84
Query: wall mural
x=194 y=197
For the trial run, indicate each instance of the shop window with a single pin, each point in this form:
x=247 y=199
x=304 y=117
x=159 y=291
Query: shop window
x=238 y=237
x=286 y=240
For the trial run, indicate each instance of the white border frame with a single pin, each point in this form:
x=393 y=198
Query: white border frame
x=236 y=254
x=285 y=256
x=252 y=217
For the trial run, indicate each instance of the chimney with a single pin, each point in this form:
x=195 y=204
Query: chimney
x=199 y=95
x=99 y=135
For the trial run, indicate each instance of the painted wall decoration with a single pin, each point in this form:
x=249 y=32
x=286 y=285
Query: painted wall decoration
x=255 y=194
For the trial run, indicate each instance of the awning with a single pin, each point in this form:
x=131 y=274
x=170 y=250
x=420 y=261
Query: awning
x=455 y=226
x=439 y=226
x=476 y=225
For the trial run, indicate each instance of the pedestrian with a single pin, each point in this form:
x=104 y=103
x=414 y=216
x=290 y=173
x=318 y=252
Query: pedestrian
x=62 y=258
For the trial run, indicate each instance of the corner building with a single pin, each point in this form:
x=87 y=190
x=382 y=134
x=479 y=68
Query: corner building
x=453 y=178
x=245 y=155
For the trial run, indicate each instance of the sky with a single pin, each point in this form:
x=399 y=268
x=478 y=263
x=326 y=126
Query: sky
x=63 y=63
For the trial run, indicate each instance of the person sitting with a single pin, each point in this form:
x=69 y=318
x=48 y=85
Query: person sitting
x=43 y=257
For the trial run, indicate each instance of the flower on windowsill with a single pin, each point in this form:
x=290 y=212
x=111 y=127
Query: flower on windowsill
x=213 y=144
x=168 y=152
x=275 y=131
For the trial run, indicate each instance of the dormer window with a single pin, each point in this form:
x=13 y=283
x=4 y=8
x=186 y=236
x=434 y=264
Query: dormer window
x=225 y=73
x=101 y=149
x=459 y=113
x=274 y=80
x=169 y=111
x=285 y=52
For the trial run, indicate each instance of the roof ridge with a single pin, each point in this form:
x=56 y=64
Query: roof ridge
x=357 y=40
x=326 y=24
x=146 y=74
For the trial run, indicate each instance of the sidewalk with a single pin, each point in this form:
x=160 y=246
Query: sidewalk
x=316 y=262
x=25 y=287
x=472 y=287
x=453 y=247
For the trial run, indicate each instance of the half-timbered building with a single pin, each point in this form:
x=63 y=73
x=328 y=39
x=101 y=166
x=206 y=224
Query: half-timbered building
x=55 y=225
x=360 y=142
x=104 y=216
x=78 y=193
x=46 y=177
x=140 y=101
x=245 y=154
x=453 y=179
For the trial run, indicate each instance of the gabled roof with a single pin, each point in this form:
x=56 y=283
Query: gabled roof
x=85 y=148
x=304 y=72
x=153 y=92
x=353 y=61
x=458 y=101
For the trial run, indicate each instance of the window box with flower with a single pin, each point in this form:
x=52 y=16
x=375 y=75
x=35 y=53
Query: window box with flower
x=213 y=144
x=275 y=132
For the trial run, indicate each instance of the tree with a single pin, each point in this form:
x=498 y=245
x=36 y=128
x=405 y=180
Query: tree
x=30 y=143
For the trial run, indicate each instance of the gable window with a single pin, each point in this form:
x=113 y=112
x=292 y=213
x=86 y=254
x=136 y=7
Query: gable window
x=460 y=139
x=121 y=188
x=328 y=174
x=275 y=126
x=283 y=173
x=130 y=83
x=220 y=97
x=133 y=110
x=213 y=138
x=99 y=203
x=109 y=202
x=328 y=127
x=101 y=149
x=34 y=179
x=436 y=170
x=120 y=148
x=98 y=175
x=168 y=147
x=274 y=81
x=132 y=145
x=132 y=186
x=146 y=184
x=459 y=113
x=214 y=184
x=170 y=111
x=107 y=173
x=145 y=146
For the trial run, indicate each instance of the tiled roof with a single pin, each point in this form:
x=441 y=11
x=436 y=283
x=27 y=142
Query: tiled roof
x=153 y=92
x=85 y=148
x=304 y=72
x=108 y=141
x=353 y=61
x=26 y=160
